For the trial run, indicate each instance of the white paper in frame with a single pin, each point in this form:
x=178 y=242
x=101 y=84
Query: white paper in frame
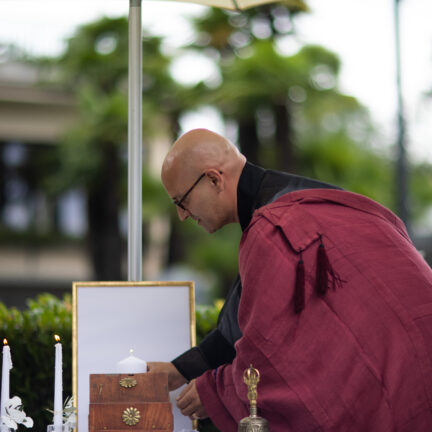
x=155 y=319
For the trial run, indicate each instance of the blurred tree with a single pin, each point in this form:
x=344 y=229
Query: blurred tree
x=285 y=105
x=290 y=115
x=421 y=179
x=228 y=32
x=230 y=37
x=94 y=66
x=288 y=109
x=91 y=155
x=260 y=91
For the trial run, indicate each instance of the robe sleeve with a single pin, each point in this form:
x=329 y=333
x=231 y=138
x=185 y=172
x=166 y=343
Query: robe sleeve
x=267 y=320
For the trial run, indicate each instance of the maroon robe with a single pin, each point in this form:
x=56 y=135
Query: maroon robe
x=357 y=359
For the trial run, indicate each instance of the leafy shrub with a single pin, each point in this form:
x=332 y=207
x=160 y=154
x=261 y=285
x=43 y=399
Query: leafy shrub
x=206 y=318
x=30 y=334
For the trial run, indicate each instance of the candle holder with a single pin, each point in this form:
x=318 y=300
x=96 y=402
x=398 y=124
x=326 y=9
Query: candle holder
x=61 y=428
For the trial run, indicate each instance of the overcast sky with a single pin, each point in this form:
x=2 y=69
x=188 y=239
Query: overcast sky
x=360 y=32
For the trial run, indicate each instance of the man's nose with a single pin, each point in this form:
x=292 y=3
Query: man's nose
x=182 y=214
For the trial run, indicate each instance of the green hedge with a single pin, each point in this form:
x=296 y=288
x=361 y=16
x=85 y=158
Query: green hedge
x=206 y=318
x=30 y=334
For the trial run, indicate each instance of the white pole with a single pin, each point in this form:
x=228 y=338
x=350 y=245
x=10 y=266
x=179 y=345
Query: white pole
x=135 y=143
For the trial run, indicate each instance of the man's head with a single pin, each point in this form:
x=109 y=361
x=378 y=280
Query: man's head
x=200 y=174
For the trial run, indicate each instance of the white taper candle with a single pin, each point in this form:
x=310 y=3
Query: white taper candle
x=58 y=387
x=6 y=367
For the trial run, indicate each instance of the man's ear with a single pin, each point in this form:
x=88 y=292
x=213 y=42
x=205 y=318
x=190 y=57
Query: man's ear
x=216 y=178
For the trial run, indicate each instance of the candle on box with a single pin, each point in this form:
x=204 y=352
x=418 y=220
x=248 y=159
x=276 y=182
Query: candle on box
x=58 y=386
x=6 y=367
x=131 y=365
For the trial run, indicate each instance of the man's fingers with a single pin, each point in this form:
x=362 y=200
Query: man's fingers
x=188 y=400
x=187 y=405
x=183 y=393
x=185 y=397
x=191 y=410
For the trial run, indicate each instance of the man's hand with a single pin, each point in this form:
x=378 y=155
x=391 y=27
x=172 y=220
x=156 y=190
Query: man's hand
x=189 y=403
x=175 y=378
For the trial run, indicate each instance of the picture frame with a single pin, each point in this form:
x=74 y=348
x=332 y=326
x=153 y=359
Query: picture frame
x=155 y=319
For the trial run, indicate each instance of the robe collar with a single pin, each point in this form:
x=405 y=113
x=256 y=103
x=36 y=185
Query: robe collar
x=247 y=191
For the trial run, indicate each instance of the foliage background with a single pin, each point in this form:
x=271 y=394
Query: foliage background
x=288 y=113
x=30 y=334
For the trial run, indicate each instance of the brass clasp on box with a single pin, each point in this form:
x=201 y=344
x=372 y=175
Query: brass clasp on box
x=131 y=416
x=128 y=382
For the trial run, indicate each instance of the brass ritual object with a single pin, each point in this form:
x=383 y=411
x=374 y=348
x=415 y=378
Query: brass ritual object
x=131 y=416
x=253 y=423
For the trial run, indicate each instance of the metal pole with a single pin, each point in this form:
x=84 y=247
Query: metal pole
x=401 y=166
x=135 y=144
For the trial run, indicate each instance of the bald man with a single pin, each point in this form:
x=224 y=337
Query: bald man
x=334 y=309
x=238 y=188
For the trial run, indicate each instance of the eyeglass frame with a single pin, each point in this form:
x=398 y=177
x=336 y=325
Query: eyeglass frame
x=179 y=202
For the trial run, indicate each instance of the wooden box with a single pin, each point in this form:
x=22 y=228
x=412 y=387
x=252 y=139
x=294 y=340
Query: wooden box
x=135 y=403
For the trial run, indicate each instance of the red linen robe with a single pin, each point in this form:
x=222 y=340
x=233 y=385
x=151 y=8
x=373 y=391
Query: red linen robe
x=358 y=359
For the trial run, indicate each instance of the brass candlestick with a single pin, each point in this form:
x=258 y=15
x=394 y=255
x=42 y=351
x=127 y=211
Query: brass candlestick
x=253 y=423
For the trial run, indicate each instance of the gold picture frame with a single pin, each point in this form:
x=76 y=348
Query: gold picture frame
x=156 y=319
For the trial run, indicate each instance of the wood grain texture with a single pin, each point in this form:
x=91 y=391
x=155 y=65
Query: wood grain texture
x=150 y=396
x=151 y=387
x=153 y=416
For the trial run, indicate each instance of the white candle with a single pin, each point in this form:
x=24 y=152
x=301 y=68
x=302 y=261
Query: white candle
x=131 y=365
x=6 y=367
x=58 y=387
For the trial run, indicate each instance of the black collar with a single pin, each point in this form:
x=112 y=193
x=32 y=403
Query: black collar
x=258 y=187
x=247 y=190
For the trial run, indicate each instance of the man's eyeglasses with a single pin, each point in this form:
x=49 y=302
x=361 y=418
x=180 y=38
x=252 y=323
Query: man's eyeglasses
x=179 y=203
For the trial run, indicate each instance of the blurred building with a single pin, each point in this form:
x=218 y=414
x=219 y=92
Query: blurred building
x=41 y=246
